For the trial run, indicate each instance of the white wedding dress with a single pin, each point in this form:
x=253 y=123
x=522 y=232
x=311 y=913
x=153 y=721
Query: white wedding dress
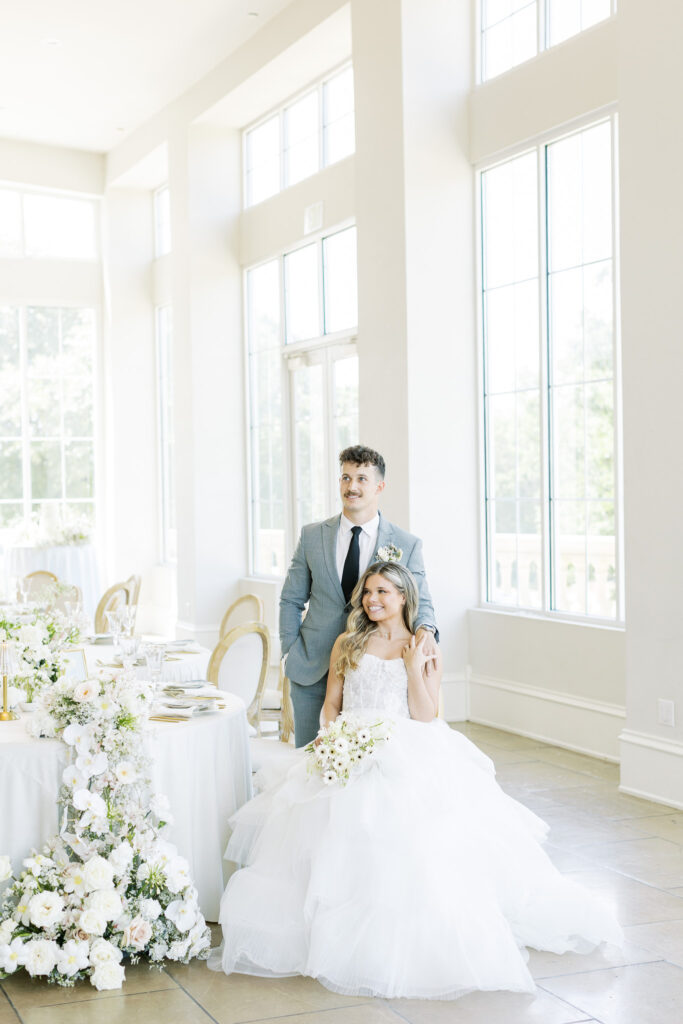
x=419 y=878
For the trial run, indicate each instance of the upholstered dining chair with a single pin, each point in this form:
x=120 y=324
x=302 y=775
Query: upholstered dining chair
x=126 y=592
x=248 y=608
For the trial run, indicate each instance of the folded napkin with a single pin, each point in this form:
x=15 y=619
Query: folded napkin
x=168 y=710
x=177 y=690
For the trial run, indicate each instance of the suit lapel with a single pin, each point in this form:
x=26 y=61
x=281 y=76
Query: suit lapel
x=329 y=530
x=384 y=535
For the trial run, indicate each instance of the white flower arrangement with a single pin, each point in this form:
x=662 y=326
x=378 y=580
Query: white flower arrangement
x=389 y=553
x=108 y=886
x=342 y=747
x=39 y=640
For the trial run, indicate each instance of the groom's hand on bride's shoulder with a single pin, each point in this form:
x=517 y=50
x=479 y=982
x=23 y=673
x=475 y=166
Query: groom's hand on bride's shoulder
x=425 y=637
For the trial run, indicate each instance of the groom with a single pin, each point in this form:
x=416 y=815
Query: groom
x=328 y=562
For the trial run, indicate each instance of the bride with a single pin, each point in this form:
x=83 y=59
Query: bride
x=420 y=877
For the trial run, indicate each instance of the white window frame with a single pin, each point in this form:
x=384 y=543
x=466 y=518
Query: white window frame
x=325 y=348
x=279 y=111
x=542 y=37
x=22 y=191
x=608 y=113
x=27 y=499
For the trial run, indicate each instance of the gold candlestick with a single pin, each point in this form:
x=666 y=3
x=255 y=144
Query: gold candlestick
x=8 y=667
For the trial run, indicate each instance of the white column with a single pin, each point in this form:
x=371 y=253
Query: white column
x=414 y=209
x=650 y=156
x=205 y=185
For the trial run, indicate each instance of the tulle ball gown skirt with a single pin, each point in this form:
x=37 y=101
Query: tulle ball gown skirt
x=420 y=878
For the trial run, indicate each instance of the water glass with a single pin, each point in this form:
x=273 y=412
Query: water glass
x=154 y=656
x=129 y=650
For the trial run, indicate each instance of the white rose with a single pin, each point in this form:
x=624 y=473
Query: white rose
x=11 y=955
x=120 y=857
x=107 y=976
x=159 y=805
x=106 y=902
x=150 y=909
x=182 y=914
x=73 y=957
x=86 y=690
x=103 y=952
x=91 y=922
x=46 y=909
x=7 y=930
x=177 y=950
x=5 y=868
x=98 y=874
x=39 y=956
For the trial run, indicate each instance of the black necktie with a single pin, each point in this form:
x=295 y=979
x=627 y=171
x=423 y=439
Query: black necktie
x=350 y=570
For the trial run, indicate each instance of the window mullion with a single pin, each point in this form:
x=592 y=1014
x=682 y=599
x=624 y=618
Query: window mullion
x=616 y=378
x=544 y=383
x=25 y=447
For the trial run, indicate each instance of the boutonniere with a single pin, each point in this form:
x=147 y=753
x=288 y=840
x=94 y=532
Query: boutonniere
x=389 y=553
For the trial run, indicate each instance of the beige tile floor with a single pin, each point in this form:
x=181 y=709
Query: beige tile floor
x=628 y=850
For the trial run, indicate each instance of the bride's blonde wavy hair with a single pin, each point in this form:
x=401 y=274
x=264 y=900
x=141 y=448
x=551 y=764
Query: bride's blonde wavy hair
x=359 y=628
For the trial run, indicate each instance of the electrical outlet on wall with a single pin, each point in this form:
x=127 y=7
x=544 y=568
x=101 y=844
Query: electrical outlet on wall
x=666 y=712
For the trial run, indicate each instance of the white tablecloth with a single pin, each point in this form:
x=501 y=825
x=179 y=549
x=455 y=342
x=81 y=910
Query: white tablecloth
x=72 y=563
x=203 y=766
x=177 y=667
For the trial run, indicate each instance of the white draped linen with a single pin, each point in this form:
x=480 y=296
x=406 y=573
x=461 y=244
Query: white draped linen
x=202 y=765
x=72 y=563
x=178 y=667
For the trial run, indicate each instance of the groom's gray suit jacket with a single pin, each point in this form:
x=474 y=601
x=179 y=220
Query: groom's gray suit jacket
x=313 y=577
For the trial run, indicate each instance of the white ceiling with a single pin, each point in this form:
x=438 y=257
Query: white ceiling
x=84 y=73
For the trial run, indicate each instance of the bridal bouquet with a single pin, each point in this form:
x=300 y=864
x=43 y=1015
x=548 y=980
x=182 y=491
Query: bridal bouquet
x=342 y=747
x=39 y=639
x=108 y=884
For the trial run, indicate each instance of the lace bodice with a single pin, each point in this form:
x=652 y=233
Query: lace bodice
x=377 y=684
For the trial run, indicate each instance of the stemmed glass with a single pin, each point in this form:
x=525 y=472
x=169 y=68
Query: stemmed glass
x=115 y=626
x=23 y=589
x=127 y=613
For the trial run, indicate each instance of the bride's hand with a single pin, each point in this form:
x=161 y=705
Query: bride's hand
x=413 y=654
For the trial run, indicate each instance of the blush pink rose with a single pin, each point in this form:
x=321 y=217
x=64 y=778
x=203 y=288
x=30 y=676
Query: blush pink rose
x=137 y=934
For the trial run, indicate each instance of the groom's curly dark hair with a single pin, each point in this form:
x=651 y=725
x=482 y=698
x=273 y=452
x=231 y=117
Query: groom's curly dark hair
x=359 y=455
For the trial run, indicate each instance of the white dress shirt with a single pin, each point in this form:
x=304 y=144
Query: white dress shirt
x=367 y=540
